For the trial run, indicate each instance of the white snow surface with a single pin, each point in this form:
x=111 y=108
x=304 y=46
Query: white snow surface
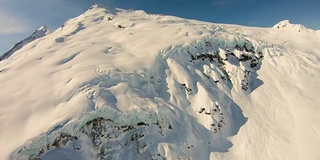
x=123 y=84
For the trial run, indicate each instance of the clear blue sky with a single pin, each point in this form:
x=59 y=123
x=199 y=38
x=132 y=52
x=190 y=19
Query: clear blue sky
x=19 y=18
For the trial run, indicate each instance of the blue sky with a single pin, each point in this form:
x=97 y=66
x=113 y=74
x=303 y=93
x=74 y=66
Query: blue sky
x=19 y=18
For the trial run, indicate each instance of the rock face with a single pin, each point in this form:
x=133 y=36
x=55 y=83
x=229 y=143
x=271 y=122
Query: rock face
x=123 y=84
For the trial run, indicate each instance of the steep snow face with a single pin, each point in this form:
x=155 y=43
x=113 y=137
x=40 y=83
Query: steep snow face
x=282 y=110
x=123 y=84
x=42 y=31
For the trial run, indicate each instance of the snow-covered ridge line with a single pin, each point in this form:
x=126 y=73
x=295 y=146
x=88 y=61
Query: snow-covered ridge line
x=42 y=31
x=287 y=25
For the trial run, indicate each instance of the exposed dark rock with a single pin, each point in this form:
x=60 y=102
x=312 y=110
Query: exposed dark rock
x=63 y=139
x=244 y=57
x=127 y=128
x=208 y=44
x=120 y=26
x=201 y=110
x=189 y=90
x=142 y=124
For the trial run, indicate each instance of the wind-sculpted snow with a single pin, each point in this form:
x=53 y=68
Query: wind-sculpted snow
x=155 y=113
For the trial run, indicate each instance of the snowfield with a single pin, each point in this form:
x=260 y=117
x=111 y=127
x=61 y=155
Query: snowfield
x=123 y=84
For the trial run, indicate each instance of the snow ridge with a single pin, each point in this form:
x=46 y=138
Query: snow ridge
x=287 y=25
x=41 y=32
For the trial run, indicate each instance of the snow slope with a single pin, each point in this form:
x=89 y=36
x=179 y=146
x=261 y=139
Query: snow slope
x=123 y=84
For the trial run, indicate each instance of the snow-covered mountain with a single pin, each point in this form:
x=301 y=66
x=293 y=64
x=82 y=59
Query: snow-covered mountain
x=123 y=84
x=42 y=31
x=286 y=25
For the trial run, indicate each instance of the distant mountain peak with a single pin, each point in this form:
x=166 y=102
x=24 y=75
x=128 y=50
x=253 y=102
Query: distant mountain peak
x=288 y=25
x=44 y=28
x=283 y=24
x=42 y=31
x=108 y=9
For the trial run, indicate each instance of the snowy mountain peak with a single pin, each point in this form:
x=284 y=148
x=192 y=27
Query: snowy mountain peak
x=44 y=28
x=108 y=9
x=282 y=24
x=288 y=25
x=42 y=31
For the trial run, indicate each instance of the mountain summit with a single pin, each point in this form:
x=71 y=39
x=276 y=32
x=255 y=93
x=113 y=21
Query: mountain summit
x=42 y=31
x=287 y=25
x=123 y=84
